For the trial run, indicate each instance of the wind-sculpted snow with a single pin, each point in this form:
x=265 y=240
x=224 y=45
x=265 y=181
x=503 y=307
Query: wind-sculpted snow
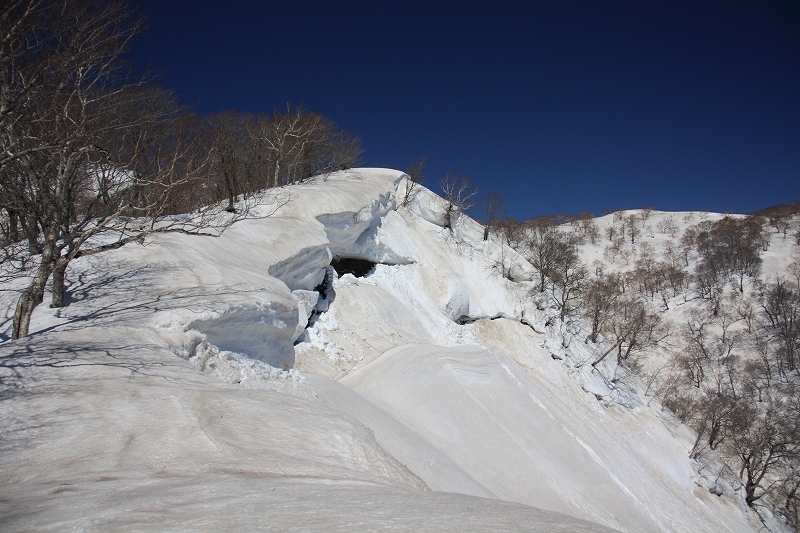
x=87 y=420
x=204 y=384
x=305 y=269
x=471 y=403
x=344 y=229
x=357 y=234
x=226 y=502
x=431 y=465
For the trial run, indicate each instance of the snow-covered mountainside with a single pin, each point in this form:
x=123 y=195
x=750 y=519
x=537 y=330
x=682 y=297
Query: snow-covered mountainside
x=237 y=383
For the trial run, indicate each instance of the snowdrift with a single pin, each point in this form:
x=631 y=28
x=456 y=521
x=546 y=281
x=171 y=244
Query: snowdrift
x=238 y=383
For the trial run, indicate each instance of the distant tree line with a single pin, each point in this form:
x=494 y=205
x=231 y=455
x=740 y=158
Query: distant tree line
x=94 y=156
x=254 y=152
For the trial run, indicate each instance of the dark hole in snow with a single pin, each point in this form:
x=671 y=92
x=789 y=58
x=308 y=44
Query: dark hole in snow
x=466 y=319
x=351 y=265
x=326 y=286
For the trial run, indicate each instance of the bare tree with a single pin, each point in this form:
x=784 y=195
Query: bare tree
x=687 y=244
x=555 y=255
x=710 y=285
x=458 y=194
x=781 y=308
x=731 y=247
x=711 y=415
x=231 y=148
x=512 y=235
x=542 y=247
x=597 y=301
x=568 y=276
x=787 y=493
x=758 y=373
x=631 y=329
x=588 y=227
x=62 y=74
x=513 y=232
x=763 y=440
x=297 y=144
x=416 y=177
x=631 y=223
x=98 y=151
x=794 y=271
x=707 y=350
x=494 y=210
x=668 y=226
x=342 y=151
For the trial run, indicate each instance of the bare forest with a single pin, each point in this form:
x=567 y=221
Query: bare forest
x=713 y=334
x=94 y=155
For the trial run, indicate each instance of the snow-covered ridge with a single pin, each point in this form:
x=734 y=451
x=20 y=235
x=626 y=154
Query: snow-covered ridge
x=434 y=371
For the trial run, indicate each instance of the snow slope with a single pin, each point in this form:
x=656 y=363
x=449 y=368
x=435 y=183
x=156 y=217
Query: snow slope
x=180 y=390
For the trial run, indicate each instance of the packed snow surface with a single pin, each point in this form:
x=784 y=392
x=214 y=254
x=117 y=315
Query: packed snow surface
x=238 y=383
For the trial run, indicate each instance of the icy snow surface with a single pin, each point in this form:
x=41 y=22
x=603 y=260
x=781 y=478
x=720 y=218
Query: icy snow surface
x=181 y=390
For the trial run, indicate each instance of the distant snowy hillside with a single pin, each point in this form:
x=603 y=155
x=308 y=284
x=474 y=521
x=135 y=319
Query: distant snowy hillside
x=239 y=383
x=725 y=291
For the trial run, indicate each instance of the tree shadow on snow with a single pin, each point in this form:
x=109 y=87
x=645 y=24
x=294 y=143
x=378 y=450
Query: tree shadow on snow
x=103 y=296
x=22 y=363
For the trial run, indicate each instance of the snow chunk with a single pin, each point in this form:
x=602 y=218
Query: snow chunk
x=456 y=296
x=428 y=205
x=263 y=332
x=234 y=368
x=344 y=229
x=306 y=302
x=303 y=270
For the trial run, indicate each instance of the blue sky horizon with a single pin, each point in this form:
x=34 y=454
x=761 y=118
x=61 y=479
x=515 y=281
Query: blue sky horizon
x=558 y=106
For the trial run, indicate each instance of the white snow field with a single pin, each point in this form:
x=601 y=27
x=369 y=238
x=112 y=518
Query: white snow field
x=181 y=391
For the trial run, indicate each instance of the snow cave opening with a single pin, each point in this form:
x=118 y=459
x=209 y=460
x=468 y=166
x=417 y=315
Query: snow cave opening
x=352 y=265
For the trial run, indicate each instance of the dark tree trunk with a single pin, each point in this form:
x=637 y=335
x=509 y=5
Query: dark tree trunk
x=59 y=272
x=230 y=185
x=34 y=293
x=33 y=244
x=13 y=226
x=30 y=298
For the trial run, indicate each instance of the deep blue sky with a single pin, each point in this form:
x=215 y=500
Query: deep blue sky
x=560 y=106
